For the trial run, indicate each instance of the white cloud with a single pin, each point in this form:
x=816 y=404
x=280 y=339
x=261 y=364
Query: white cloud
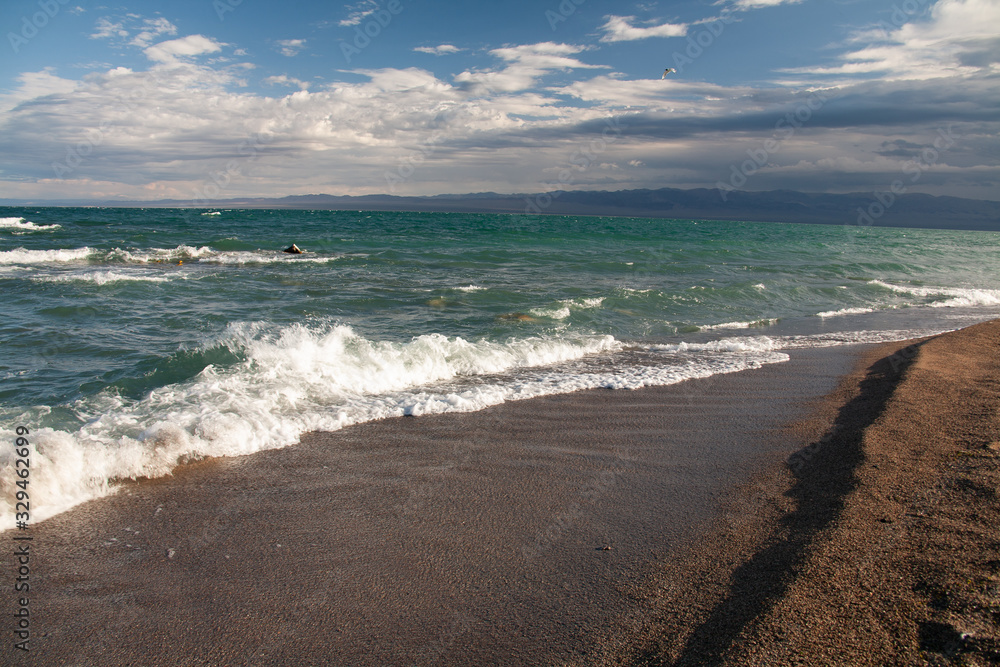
x=193 y=45
x=119 y=30
x=285 y=80
x=438 y=50
x=527 y=63
x=290 y=47
x=164 y=132
x=359 y=12
x=107 y=28
x=36 y=85
x=959 y=38
x=756 y=4
x=153 y=29
x=620 y=29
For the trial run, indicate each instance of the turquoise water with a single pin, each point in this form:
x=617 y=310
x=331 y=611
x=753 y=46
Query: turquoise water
x=134 y=339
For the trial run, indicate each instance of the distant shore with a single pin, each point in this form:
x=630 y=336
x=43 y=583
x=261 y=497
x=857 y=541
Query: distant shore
x=857 y=211
x=686 y=524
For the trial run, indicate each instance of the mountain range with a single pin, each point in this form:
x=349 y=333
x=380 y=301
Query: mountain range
x=884 y=209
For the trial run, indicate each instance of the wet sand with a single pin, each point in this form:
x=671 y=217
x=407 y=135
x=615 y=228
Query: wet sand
x=659 y=526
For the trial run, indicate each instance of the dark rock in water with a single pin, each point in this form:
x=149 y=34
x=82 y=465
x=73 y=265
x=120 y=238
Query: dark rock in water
x=293 y=249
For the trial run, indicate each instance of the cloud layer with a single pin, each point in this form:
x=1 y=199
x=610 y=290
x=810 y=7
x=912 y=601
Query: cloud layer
x=547 y=115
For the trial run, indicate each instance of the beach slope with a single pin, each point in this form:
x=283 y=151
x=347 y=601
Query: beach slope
x=799 y=513
x=884 y=546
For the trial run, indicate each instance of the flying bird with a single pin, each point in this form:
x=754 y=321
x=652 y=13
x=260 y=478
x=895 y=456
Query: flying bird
x=667 y=71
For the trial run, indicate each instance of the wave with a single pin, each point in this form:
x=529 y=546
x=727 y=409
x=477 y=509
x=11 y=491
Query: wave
x=182 y=253
x=274 y=384
x=953 y=297
x=25 y=225
x=566 y=306
x=757 y=344
x=104 y=278
x=290 y=381
x=845 y=311
x=766 y=322
x=22 y=256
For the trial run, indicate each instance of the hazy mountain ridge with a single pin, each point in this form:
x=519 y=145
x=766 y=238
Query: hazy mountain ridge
x=859 y=209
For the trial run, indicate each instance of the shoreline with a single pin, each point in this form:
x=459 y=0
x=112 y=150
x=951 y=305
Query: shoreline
x=534 y=532
x=876 y=544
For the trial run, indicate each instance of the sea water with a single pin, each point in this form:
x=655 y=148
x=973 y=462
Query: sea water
x=134 y=340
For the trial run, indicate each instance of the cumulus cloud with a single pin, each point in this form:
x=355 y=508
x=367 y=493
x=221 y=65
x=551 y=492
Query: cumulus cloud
x=620 y=29
x=512 y=126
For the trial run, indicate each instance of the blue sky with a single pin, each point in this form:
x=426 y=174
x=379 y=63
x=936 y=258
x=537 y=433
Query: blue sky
x=229 y=98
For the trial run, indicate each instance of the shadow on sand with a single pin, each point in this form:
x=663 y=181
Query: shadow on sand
x=825 y=475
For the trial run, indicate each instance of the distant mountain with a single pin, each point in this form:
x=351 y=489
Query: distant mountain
x=860 y=209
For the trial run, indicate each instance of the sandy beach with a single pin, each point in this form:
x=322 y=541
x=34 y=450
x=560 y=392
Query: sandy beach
x=840 y=508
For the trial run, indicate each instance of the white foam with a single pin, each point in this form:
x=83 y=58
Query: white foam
x=845 y=311
x=293 y=380
x=104 y=277
x=741 y=325
x=470 y=288
x=241 y=257
x=21 y=256
x=757 y=344
x=181 y=253
x=25 y=225
x=567 y=305
x=158 y=255
x=958 y=297
x=323 y=377
x=553 y=313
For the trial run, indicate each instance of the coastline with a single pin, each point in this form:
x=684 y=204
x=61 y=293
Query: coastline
x=578 y=528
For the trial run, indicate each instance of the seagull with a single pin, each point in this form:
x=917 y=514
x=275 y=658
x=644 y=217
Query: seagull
x=667 y=71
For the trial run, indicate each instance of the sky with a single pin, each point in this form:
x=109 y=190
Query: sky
x=207 y=99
